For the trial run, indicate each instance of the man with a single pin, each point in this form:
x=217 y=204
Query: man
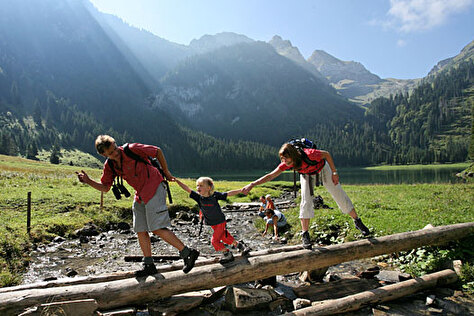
x=150 y=213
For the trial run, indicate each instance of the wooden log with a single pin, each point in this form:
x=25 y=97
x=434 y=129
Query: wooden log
x=131 y=274
x=378 y=295
x=139 y=291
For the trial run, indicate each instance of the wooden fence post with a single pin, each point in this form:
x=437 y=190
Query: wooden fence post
x=28 y=214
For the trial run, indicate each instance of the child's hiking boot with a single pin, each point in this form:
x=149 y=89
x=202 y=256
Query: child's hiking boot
x=360 y=226
x=227 y=257
x=189 y=260
x=306 y=240
x=244 y=249
x=148 y=269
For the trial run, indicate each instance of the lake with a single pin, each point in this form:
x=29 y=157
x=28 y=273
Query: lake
x=394 y=175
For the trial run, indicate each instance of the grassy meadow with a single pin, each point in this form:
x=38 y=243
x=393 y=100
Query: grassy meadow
x=60 y=205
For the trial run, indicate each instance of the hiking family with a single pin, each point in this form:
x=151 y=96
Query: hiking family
x=137 y=163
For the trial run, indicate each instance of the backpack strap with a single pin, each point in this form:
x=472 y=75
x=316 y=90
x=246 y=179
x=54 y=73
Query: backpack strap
x=136 y=157
x=320 y=164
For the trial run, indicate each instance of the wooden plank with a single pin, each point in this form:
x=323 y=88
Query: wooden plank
x=375 y=296
x=139 y=291
x=131 y=274
x=335 y=289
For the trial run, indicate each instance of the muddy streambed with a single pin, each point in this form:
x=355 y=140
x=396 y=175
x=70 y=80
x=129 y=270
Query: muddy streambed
x=105 y=251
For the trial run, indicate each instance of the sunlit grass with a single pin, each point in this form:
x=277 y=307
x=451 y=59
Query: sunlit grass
x=61 y=204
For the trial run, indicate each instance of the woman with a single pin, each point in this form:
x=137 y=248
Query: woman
x=292 y=158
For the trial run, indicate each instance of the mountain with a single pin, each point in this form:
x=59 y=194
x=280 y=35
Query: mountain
x=245 y=91
x=208 y=43
x=467 y=53
x=64 y=79
x=155 y=55
x=69 y=72
x=354 y=81
x=285 y=48
x=435 y=121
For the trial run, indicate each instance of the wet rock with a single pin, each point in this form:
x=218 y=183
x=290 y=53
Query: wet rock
x=123 y=226
x=392 y=276
x=281 y=305
x=88 y=230
x=50 y=279
x=84 y=239
x=185 y=216
x=313 y=275
x=59 y=239
x=370 y=273
x=70 y=272
x=268 y=281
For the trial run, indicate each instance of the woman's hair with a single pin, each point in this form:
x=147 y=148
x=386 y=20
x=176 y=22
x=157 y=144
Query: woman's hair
x=207 y=181
x=289 y=151
x=269 y=211
x=103 y=142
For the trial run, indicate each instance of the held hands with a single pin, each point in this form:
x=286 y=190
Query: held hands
x=335 y=179
x=246 y=189
x=168 y=175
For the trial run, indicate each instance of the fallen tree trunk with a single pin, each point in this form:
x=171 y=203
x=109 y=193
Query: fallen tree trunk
x=139 y=291
x=378 y=295
x=131 y=274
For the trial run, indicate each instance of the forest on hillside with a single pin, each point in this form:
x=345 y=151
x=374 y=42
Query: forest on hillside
x=433 y=124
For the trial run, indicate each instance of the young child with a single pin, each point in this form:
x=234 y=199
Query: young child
x=207 y=200
x=275 y=218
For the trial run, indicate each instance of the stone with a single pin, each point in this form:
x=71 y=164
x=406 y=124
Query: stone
x=392 y=276
x=301 y=303
x=313 y=275
x=239 y=299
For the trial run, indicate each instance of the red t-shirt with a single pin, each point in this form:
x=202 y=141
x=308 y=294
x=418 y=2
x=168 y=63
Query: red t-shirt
x=144 y=178
x=313 y=154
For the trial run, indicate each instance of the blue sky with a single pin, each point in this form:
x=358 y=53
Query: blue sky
x=400 y=39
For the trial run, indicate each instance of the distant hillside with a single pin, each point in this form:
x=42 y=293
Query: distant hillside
x=245 y=91
x=354 y=81
x=434 y=123
x=467 y=53
x=208 y=43
x=69 y=73
x=284 y=48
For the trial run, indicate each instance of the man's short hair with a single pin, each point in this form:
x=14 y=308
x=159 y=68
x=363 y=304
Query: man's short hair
x=102 y=142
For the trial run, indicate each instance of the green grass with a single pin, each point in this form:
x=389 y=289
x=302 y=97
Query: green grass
x=60 y=205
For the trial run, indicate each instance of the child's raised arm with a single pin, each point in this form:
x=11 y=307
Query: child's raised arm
x=234 y=192
x=182 y=185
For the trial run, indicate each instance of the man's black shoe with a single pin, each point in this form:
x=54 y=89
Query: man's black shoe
x=148 y=269
x=306 y=240
x=189 y=260
x=360 y=226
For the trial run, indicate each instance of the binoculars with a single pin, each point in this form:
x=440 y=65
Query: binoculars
x=118 y=189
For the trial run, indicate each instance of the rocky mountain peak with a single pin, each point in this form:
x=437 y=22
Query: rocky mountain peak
x=209 y=43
